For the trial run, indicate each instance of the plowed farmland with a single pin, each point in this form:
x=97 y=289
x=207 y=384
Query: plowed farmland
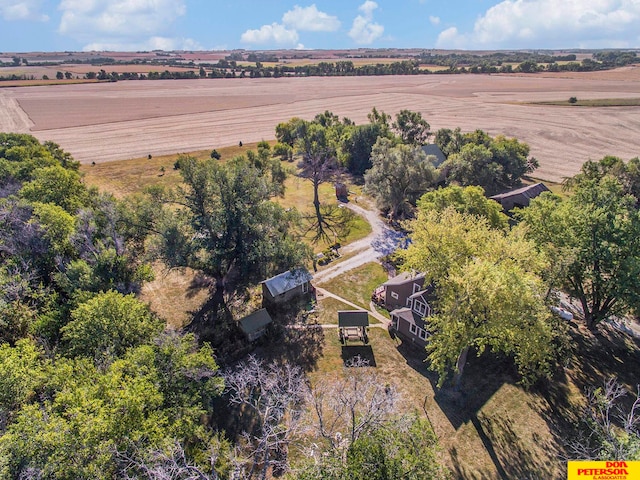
x=108 y=121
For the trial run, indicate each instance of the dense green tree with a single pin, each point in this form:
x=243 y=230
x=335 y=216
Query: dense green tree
x=467 y=200
x=490 y=294
x=356 y=146
x=628 y=174
x=412 y=128
x=22 y=375
x=57 y=185
x=226 y=226
x=399 y=176
x=473 y=165
x=594 y=239
x=449 y=141
x=289 y=132
x=73 y=419
x=107 y=325
x=21 y=155
x=494 y=164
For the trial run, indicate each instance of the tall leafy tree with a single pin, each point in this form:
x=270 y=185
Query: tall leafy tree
x=400 y=174
x=467 y=200
x=356 y=146
x=594 y=239
x=107 y=325
x=226 y=226
x=475 y=158
x=412 y=128
x=490 y=294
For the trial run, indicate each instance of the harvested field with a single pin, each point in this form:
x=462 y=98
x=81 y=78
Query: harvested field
x=109 y=121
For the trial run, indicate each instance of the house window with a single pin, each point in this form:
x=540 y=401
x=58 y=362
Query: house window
x=305 y=287
x=409 y=302
x=419 y=307
x=416 y=287
x=413 y=328
x=423 y=334
x=394 y=295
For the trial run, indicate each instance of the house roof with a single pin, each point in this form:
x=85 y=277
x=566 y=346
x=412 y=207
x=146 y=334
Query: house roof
x=433 y=149
x=410 y=316
x=418 y=294
x=530 y=191
x=427 y=293
x=404 y=277
x=353 y=318
x=255 y=321
x=287 y=281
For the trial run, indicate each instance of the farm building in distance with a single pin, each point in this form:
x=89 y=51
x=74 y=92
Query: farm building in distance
x=519 y=197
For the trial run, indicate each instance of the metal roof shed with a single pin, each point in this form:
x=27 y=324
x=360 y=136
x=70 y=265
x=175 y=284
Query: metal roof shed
x=287 y=281
x=255 y=324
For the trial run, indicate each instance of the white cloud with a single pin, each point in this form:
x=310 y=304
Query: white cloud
x=152 y=43
x=367 y=8
x=22 y=10
x=274 y=33
x=434 y=20
x=551 y=24
x=123 y=24
x=310 y=19
x=364 y=30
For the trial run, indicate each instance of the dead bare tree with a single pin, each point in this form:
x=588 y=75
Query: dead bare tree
x=172 y=464
x=274 y=394
x=349 y=407
x=609 y=432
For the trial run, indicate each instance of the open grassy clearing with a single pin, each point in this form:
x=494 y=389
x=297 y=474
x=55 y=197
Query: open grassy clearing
x=328 y=311
x=174 y=294
x=357 y=285
x=124 y=177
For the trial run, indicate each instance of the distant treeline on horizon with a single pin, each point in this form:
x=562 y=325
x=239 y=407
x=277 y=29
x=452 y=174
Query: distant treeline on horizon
x=453 y=63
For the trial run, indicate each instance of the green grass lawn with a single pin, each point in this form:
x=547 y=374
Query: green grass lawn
x=328 y=311
x=358 y=284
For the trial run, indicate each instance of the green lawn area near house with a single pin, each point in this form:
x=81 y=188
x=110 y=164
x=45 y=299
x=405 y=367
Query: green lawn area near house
x=358 y=284
x=328 y=311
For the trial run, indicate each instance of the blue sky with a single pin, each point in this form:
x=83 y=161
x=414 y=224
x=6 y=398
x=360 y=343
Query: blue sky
x=48 y=25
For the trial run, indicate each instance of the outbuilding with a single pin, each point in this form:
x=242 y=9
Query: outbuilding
x=255 y=324
x=290 y=285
